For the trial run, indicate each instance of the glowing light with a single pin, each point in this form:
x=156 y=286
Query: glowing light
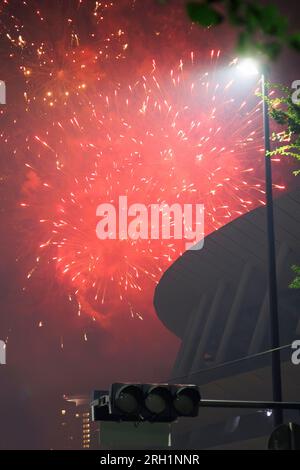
x=248 y=67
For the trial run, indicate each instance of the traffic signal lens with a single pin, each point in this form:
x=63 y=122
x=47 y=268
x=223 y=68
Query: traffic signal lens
x=186 y=402
x=155 y=404
x=128 y=400
x=157 y=400
x=184 y=405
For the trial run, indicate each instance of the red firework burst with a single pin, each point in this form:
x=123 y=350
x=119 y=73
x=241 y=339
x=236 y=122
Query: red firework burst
x=188 y=137
x=185 y=135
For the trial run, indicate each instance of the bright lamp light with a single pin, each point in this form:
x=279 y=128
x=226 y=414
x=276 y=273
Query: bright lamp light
x=248 y=67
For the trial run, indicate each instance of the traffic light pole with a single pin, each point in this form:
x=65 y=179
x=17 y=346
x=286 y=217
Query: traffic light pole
x=259 y=405
x=263 y=405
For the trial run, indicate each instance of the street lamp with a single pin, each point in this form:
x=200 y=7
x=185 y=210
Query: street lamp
x=250 y=67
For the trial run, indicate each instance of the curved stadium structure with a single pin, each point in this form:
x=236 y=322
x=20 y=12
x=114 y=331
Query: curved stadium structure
x=216 y=301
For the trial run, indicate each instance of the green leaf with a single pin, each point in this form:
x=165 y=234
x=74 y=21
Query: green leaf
x=234 y=12
x=296 y=282
x=245 y=43
x=294 y=126
x=278 y=115
x=253 y=17
x=235 y=5
x=294 y=41
x=271 y=49
x=204 y=14
x=271 y=21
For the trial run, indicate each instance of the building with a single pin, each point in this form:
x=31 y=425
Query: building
x=216 y=301
x=78 y=429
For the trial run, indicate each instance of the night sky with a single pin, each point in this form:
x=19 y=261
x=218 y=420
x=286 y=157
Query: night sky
x=103 y=100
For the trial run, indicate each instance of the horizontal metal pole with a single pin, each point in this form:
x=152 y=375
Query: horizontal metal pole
x=270 y=405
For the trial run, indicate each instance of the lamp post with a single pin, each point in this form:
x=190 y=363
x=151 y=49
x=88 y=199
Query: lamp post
x=249 y=66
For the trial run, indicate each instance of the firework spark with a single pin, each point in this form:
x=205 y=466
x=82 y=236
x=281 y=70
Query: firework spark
x=161 y=140
x=182 y=136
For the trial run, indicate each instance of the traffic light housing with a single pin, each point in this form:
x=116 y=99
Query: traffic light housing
x=125 y=401
x=186 y=400
x=160 y=403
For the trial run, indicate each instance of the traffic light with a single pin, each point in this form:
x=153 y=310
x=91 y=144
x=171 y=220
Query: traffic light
x=160 y=403
x=126 y=401
x=285 y=437
x=186 y=400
